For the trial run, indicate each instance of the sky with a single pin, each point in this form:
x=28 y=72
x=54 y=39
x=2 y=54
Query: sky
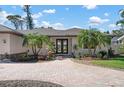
x=103 y=17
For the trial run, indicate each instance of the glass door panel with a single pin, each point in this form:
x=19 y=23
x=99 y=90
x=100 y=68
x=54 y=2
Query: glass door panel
x=62 y=46
x=65 y=46
x=59 y=46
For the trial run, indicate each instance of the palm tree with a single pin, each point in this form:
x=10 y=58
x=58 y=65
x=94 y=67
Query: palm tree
x=121 y=22
x=85 y=39
x=35 y=42
x=15 y=20
x=117 y=32
x=92 y=39
x=29 y=19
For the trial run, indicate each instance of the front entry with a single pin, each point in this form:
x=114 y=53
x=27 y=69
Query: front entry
x=62 y=46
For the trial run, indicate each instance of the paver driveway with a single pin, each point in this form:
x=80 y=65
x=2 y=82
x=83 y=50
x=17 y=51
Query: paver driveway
x=64 y=72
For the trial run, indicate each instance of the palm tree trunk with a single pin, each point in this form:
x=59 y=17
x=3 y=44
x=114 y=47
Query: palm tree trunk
x=34 y=52
x=94 y=52
x=38 y=50
x=90 y=52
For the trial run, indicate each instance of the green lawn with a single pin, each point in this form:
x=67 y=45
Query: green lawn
x=117 y=63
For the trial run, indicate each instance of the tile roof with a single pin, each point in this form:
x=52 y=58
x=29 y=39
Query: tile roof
x=4 y=29
x=53 y=32
x=120 y=38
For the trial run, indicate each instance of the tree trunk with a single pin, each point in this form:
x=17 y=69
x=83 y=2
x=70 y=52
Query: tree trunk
x=94 y=52
x=34 y=53
x=36 y=56
x=90 y=52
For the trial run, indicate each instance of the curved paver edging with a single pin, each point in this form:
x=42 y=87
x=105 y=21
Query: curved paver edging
x=27 y=83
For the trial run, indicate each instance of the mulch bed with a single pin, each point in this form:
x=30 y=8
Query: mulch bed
x=27 y=83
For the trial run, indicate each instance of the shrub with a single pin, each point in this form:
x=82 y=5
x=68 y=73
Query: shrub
x=73 y=55
x=102 y=54
x=87 y=55
x=51 y=55
x=79 y=55
x=21 y=57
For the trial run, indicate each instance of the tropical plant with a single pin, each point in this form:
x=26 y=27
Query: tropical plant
x=75 y=47
x=29 y=19
x=15 y=19
x=101 y=39
x=121 y=21
x=117 y=32
x=35 y=42
x=92 y=39
x=102 y=54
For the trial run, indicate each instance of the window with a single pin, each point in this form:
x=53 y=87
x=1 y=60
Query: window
x=120 y=41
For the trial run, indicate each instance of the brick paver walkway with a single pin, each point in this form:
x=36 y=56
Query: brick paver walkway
x=64 y=72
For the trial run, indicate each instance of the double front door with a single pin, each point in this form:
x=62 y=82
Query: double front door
x=61 y=46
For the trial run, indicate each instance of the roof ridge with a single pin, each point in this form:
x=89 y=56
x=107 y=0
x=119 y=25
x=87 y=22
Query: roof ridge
x=52 y=29
x=121 y=37
x=7 y=27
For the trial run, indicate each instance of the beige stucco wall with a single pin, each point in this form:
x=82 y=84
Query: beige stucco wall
x=74 y=42
x=4 y=47
x=43 y=51
x=13 y=44
x=16 y=44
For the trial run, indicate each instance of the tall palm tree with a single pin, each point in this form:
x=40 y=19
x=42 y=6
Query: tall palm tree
x=85 y=39
x=92 y=39
x=35 y=42
x=121 y=22
x=29 y=19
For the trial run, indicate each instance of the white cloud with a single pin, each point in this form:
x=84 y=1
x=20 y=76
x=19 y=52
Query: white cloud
x=89 y=7
x=94 y=20
x=36 y=16
x=67 y=9
x=102 y=29
x=106 y=14
x=49 y=11
x=75 y=27
x=45 y=24
x=112 y=26
x=58 y=25
x=37 y=23
x=3 y=15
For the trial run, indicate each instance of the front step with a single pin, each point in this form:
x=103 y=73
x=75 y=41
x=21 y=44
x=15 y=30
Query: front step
x=63 y=56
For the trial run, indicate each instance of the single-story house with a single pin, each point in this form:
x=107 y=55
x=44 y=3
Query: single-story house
x=117 y=43
x=11 y=41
